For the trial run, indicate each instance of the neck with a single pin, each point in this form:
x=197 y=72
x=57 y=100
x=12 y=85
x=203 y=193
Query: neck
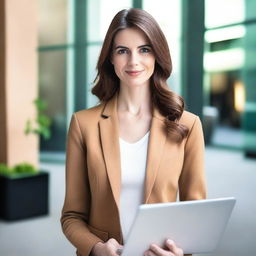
x=135 y=100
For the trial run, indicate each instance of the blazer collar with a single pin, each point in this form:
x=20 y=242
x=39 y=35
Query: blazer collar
x=109 y=132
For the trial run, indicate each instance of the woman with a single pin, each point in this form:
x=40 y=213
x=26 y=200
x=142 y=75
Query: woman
x=137 y=146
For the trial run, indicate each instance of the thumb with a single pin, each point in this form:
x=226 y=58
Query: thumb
x=114 y=242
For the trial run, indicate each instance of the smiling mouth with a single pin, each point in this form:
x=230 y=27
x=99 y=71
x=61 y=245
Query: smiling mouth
x=134 y=72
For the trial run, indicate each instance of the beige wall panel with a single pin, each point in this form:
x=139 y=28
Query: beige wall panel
x=21 y=78
x=3 y=128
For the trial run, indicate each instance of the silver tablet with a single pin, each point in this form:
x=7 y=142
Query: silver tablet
x=195 y=226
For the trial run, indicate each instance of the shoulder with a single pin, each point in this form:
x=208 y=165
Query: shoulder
x=189 y=120
x=194 y=125
x=92 y=113
x=89 y=117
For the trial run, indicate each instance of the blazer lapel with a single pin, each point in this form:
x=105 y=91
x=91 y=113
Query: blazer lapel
x=156 y=144
x=109 y=132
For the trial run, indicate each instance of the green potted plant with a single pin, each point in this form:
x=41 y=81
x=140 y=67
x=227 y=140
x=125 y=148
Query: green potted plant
x=24 y=189
x=40 y=126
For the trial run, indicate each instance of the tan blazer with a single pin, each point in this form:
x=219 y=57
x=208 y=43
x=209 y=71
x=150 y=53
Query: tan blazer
x=91 y=209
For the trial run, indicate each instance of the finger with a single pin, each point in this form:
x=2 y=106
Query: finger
x=119 y=251
x=150 y=253
x=113 y=247
x=173 y=247
x=170 y=245
x=114 y=243
x=180 y=252
x=160 y=251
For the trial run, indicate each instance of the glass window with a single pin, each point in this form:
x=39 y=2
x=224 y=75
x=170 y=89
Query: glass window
x=100 y=14
x=223 y=12
x=52 y=22
x=250 y=9
x=93 y=54
x=229 y=63
x=249 y=77
x=52 y=80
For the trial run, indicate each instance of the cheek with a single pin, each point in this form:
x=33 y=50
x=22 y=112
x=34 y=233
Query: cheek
x=118 y=67
x=117 y=72
x=151 y=64
x=118 y=63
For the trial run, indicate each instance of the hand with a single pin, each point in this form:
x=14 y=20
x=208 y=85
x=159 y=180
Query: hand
x=172 y=250
x=106 y=249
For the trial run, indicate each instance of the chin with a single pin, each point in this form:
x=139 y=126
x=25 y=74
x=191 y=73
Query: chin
x=138 y=82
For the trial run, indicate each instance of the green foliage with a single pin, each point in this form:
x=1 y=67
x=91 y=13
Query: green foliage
x=5 y=170
x=24 y=168
x=17 y=170
x=40 y=126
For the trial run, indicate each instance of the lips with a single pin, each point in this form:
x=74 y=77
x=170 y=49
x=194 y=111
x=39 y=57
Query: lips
x=134 y=72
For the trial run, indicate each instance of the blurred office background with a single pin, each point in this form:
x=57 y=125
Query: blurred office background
x=213 y=47
x=213 y=50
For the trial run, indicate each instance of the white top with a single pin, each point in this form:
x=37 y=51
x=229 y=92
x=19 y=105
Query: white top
x=133 y=168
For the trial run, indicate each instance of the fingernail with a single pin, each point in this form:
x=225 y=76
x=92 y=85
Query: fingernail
x=169 y=241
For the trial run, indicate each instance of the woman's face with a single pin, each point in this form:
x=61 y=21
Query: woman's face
x=132 y=57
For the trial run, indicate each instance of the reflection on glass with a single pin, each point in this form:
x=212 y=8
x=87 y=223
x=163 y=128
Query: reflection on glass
x=229 y=59
x=222 y=34
x=239 y=95
x=222 y=64
x=52 y=22
x=52 y=88
x=226 y=97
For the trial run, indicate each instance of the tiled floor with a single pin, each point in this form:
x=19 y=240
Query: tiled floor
x=228 y=174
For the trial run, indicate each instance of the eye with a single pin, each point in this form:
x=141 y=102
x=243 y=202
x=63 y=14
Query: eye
x=145 y=50
x=122 y=51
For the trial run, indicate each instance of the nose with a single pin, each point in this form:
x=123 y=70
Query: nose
x=134 y=58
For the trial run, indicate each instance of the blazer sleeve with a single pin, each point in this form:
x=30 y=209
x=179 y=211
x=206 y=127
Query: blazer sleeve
x=75 y=212
x=192 y=184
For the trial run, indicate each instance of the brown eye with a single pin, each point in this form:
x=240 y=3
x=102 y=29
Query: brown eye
x=122 y=51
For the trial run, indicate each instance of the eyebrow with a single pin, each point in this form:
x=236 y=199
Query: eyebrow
x=141 y=46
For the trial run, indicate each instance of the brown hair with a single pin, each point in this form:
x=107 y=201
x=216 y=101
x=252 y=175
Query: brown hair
x=106 y=82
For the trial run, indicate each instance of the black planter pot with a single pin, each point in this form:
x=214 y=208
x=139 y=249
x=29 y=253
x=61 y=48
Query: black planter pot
x=24 y=196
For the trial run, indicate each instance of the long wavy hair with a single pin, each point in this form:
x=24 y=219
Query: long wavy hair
x=106 y=83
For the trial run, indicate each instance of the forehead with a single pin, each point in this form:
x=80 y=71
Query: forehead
x=130 y=37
